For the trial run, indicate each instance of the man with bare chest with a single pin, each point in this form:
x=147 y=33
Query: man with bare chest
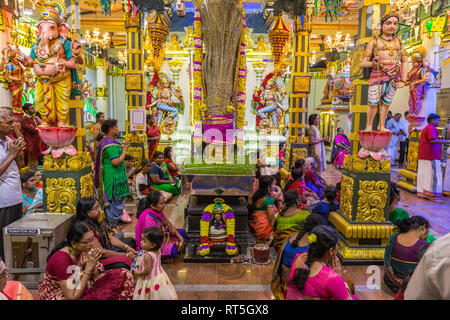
x=387 y=57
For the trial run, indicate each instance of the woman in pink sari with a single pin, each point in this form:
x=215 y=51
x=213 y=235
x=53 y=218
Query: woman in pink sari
x=319 y=276
x=341 y=148
x=154 y=216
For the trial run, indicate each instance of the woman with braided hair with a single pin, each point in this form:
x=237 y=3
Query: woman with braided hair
x=320 y=277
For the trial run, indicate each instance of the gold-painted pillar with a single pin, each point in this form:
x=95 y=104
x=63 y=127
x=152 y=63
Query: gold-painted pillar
x=299 y=90
x=409 y=174
x=135 y=85
x=363 y=218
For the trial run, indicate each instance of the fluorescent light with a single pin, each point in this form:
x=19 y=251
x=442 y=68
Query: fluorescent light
x=28 y=12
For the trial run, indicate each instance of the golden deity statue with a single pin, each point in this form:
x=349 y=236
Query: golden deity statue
x=174 y=44
x=261 y=45
x=188 y=40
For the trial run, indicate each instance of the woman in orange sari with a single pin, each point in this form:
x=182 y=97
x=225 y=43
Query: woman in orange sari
x=263 y=215
x=153 y=135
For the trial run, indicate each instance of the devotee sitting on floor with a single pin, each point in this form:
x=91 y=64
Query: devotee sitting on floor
x=312 y=179
x=116 y=253
x=11 y=290
x=110 y=176
x=429 y=175
x=400 y=257
x=290 y=219
x=160 y=176
x=327 y=204
x=429 y=280
x=173 y=168
x=32 y=197
x=263 y=212
x=297 y=183
x=294 y=246
x=143 y=185
x=341 y=148
x=131 y=174
x=400 y=295
x=94 y=282
x=320 y=277
x=38 y=176
x=154 y=216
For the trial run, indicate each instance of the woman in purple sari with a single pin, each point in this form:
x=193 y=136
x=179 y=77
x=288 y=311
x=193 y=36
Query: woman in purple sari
x=154 y=216
x=341 y=148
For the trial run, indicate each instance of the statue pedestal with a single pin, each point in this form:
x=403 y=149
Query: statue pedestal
x=362 y=221
x=66 y=180
x=409 y=182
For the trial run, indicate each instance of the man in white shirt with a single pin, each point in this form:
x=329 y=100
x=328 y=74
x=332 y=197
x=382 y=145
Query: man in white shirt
x=10 y=186
x=395 y=126
x=404 y=141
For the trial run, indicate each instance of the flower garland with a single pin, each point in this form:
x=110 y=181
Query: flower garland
x=205 y=245
x=241 y=74
x=198 y=61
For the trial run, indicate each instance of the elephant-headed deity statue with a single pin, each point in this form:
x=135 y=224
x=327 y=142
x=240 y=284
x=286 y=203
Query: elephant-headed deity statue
x=267 y=99
x=13 y=74
x=55 y=64
x=166 y=101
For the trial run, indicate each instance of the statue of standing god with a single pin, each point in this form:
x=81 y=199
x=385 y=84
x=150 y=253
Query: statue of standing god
x=388 y=60
x=55 y=62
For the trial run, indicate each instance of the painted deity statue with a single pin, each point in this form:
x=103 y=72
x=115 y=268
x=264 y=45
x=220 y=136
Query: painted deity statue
x=55 y=63
x=13 y=72
x=267 y=99
x=167 y=100
x=388 y=60
x=417 y=81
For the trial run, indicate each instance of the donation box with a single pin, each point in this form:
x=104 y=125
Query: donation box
x=28 y=241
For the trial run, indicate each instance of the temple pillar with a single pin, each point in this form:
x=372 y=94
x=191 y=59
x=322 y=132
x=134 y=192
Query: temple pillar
x=362 y=222
x=297 y=148
x=101 y=91
x=135 y=85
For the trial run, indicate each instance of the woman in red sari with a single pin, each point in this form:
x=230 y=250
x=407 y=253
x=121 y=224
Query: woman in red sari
x=153 y=135
x=74 y=272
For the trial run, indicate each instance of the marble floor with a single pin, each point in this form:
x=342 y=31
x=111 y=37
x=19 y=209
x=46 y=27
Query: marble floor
x=211 y=281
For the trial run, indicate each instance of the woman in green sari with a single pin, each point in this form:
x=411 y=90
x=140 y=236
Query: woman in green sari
x=290 y=220
x=162 y=180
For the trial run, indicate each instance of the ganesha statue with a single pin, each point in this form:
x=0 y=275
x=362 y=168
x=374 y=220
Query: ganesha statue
x=13 y=74
x=55 y=60
x=166 y=101
x=267 y=100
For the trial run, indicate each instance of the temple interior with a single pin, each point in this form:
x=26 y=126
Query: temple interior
x=346 y=102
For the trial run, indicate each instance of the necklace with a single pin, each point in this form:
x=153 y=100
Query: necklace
x=43 y=54
x=391 y=49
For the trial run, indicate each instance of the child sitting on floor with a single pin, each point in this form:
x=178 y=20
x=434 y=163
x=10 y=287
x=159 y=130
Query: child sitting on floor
x=152 y=282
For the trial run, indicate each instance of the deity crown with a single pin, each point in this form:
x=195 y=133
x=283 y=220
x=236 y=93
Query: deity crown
x=54 y=10
x=388 y=15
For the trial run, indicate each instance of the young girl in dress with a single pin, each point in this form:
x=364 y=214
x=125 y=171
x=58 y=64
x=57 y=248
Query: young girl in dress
x=152 y=282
